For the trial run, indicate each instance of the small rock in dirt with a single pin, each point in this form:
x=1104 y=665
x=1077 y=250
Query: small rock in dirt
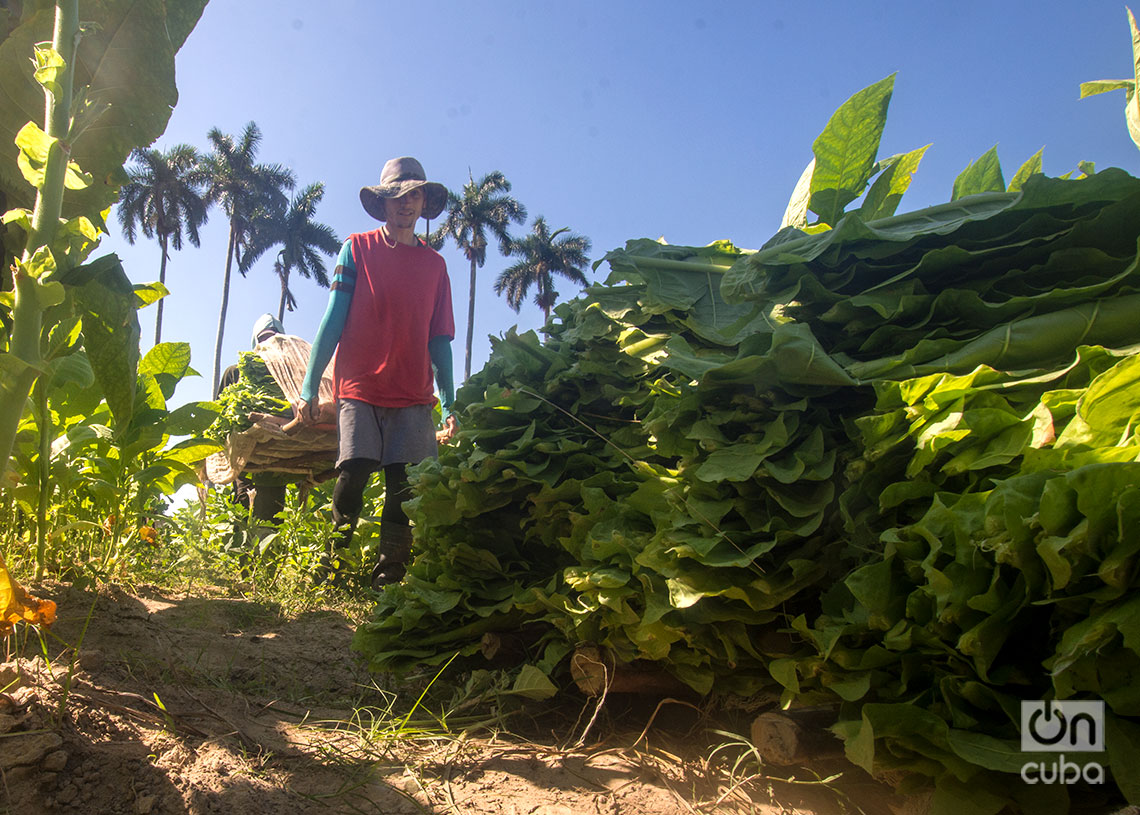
x=91 y=660
x=67 y=794
x=54 y=762
x=22 y=750
x=10 y=675
x=22 y=696
x=144 y=804
x=9 y=722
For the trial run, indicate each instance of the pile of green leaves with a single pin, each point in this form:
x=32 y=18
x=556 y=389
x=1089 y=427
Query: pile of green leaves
x=255 y=391
x=594 y=488
x=764 y=494
x=885 y=464
x=988 y=505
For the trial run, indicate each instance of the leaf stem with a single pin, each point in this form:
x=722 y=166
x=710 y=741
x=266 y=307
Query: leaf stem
x=680 y=265
x=44 y=423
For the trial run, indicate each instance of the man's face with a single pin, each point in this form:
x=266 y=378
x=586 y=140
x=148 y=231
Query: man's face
x=403 y=212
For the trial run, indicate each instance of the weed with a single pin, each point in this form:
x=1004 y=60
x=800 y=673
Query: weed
x=745 y=776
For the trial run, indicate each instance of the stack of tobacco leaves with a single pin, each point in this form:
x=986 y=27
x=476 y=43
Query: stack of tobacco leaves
x=255 y=391
x=597 y=489
x=890 y=467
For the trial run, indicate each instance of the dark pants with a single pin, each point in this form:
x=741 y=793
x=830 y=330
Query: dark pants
x=395 y=527
x=348 y=494
x=264 y=502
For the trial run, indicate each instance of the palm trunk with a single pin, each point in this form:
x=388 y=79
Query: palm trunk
x=284 y=292
x=161 y=279
x=470 y=323
x=222 y=313
x=546 y=284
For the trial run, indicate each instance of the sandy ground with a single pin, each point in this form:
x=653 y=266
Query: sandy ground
x=154 y=702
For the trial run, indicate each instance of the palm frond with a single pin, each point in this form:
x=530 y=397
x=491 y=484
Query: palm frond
x=544 y=254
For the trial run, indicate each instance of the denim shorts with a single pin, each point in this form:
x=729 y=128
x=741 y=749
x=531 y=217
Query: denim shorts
x=403 y=435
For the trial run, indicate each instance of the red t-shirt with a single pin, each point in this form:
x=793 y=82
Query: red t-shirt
x=402 y=299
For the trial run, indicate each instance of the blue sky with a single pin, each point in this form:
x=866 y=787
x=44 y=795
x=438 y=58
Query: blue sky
x=620 y=119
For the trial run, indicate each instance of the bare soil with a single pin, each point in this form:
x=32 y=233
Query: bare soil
x=159 y=702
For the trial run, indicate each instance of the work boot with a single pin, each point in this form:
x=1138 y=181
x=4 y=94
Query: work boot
x=395 y=549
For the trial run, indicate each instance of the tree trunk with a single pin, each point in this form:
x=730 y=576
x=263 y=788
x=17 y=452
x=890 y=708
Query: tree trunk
x=161 y=279
x=470 y=323
x=546 y=299
x=222 y=314
x=546 y=286
x=284 y=292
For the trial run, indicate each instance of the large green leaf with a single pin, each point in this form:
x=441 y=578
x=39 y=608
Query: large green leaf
x=887 y=191
x=126 y=56
x=191 y=451
x=752 y=277
x=1031 y=167
x=532 y=683
x=1105 y=85
x=983 y=175
x=1043 y=340
x=167 y=362
x=845 y=151
x=191 y=419
x=989 y=752
x=795 y=215
x=72 y=371
x=1108 y=408
x=110 y=331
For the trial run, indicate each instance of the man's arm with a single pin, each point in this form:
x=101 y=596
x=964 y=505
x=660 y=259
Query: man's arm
x=439 y=348
x=328 y=334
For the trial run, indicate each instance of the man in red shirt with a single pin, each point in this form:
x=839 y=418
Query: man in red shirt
x=389 y=319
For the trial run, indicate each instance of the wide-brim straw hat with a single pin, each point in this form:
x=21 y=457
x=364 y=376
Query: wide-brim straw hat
x=399 y=177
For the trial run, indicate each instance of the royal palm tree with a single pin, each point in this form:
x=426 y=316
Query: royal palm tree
x=245 y=190
x=303 y=243
x=544 y=254
x=164 y=197
x=484 y=207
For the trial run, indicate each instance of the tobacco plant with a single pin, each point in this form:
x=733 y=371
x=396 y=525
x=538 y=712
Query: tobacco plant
x=69 y=319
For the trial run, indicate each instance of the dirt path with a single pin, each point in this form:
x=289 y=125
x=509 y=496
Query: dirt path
x=157 y=703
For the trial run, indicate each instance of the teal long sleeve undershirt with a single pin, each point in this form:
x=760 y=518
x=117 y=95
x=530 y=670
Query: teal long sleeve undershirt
x=332 y=326
x=440 y=350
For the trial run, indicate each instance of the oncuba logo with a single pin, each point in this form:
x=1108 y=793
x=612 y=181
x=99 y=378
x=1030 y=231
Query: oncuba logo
x=1060 y=727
